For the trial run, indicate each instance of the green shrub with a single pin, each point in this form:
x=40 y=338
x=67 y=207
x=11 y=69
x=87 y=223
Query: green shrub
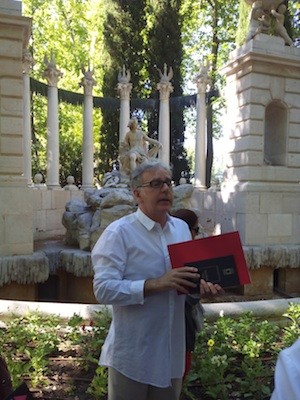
x=233 y=358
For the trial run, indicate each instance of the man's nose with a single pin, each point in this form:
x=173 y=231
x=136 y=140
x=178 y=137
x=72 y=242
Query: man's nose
x=165 y=186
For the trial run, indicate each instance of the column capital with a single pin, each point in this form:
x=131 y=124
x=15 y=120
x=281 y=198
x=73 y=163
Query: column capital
x=124 y=90
x=51 y=73
x=165 y=89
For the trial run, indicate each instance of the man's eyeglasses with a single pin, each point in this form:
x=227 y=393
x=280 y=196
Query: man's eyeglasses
x=157 y=183
x=196 y=230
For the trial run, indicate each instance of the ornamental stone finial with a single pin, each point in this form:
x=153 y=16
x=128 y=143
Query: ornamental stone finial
x=124 y=76
x=165 y=77
x=202 y=79
x=124 y=86
x=51 y=73
x=88 y=81
x=164 y=85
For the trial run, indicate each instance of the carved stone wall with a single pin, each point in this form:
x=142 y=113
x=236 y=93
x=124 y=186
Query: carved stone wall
x=261 y=191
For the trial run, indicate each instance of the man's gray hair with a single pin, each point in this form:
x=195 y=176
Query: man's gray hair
x=147 y=166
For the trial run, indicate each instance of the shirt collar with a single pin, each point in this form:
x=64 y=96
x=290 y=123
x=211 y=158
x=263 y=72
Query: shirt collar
x=148 y=222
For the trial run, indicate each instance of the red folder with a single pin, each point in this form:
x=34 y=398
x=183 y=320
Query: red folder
x=219 y=257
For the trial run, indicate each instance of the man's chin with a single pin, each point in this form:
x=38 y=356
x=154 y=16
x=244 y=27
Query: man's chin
x=165 y=205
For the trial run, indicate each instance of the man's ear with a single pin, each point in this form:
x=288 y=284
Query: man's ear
x=136 y=193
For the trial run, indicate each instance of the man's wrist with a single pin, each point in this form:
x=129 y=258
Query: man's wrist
x=152 y=286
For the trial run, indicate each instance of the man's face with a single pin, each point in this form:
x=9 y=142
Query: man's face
x=155 y=202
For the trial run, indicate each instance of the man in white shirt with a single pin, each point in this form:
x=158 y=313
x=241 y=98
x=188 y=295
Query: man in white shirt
x=145 y=347
x=287 y=374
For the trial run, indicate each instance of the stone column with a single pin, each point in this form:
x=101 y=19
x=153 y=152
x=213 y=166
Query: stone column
x=27 y=64
x=165 y=88
x=201 y=81
x=52 y=75
x=88 y=138
x=124 y=89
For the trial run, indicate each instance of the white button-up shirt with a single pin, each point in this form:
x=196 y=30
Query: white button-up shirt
x=146 y=339
x=287 y=374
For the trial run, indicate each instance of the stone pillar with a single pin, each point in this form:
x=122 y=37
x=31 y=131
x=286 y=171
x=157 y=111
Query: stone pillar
x=124 y=89
x=16 y=200
x=52 y=75
x=27 y=64
x=263 y=103
x=201 y=81
x=88 y=138
x=165 y=88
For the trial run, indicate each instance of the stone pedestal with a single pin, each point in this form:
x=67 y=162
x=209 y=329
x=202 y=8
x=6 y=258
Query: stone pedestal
x=16 y=233
x=261 y=190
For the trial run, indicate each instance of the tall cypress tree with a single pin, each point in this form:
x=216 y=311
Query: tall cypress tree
x=123 y=41
x=142 y=48
x=165 y=47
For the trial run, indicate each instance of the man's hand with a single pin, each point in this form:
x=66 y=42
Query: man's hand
x=210 y=289
x=176 y=279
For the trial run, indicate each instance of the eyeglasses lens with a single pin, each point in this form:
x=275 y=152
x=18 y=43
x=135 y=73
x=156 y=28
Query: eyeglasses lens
x=158 y=183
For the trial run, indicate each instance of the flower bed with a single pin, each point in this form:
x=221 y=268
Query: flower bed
x=234 y=358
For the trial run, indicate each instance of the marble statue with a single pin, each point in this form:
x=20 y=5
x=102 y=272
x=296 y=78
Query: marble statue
x=267 y=16
x=279 y=24
x=134 y=149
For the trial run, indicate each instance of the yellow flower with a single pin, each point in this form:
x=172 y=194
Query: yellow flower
x=210 y=343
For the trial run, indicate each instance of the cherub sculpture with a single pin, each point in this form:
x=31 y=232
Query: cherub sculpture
x=263 y=13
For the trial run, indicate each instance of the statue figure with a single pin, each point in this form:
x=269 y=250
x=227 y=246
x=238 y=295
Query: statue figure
x=263 y=13
x=134 y=149
x=259 y=23
x=279 y=27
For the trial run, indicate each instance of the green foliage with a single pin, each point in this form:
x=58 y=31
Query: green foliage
x=233 y=358
x=244 y=351
x=98 y=386
x=73 y=31
x=291 y=331
x=26 y=344
x=124 y=22
x=142 y=36
x=243 y=26
x=293 y=23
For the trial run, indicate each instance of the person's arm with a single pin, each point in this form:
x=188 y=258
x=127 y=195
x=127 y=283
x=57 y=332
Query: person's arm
x=109 y=265
x=152 y=141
